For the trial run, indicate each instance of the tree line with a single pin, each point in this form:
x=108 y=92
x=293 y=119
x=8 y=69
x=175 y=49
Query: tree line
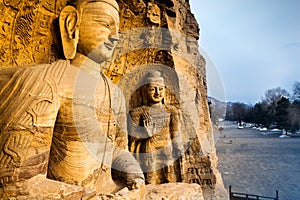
x=278 y=109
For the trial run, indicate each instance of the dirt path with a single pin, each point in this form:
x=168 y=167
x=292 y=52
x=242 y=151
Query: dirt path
x=259 y=164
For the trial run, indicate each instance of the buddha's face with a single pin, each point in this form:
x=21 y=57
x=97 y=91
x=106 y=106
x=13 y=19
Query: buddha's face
x=155 y=93
x=98 y=31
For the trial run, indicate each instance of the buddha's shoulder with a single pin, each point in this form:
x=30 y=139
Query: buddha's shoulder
x=139 y=109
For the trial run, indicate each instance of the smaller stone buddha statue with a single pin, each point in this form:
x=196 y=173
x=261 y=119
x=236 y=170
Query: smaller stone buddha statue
x=154 y=134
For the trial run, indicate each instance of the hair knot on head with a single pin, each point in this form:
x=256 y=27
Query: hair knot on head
x=154 y=76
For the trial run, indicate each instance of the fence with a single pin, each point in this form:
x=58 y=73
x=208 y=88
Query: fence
x=242 y=196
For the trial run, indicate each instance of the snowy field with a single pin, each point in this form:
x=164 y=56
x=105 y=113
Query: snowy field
x=259 y=162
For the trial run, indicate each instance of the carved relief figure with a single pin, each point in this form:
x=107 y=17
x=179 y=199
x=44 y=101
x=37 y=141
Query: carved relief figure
x=164 y=57
x=139 y=6
x=155 y=139
x=153 y=13
x=63 y=120
x=148 y=37
x=26 y=32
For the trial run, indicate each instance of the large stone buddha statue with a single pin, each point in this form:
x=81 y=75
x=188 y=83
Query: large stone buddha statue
x=64 y=124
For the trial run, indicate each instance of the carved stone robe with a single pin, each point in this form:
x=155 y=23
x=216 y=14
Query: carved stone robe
x=58 y=121
x=156 y=153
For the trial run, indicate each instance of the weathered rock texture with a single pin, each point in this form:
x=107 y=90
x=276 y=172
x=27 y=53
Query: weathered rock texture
x=161 y=35
x=28 y=32
x=164 y=35
x=173 y=191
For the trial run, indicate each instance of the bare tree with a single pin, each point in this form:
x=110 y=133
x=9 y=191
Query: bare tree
x=272 y=96
x=296 y=91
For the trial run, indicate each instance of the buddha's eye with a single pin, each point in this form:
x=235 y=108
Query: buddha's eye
x=103 y=22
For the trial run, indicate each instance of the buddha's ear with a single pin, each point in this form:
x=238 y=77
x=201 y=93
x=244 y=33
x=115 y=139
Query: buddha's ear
x=68 y=24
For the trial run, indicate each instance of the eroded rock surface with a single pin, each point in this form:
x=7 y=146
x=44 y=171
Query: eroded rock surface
x=159 y=35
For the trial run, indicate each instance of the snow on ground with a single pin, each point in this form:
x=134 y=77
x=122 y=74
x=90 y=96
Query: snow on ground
x=284 y=136
x=259 y=164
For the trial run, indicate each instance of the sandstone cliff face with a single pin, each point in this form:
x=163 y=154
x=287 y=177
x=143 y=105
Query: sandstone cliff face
x=154 y=34
x=164 y=35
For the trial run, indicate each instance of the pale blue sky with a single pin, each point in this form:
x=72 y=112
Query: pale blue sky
x=254 y=44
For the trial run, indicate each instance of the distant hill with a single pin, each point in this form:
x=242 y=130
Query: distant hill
x=217 y=109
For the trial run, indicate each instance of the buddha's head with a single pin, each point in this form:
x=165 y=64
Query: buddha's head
x=89 y=28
